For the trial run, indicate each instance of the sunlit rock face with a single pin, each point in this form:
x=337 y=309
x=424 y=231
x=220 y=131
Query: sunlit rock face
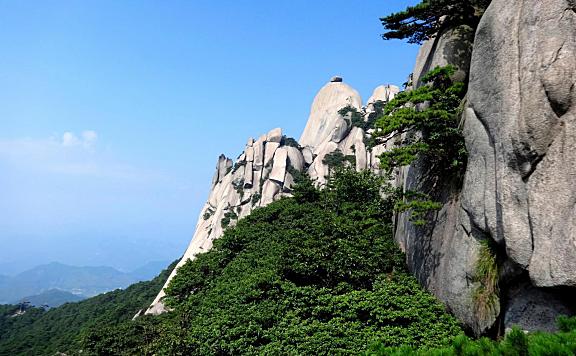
x=263 y=173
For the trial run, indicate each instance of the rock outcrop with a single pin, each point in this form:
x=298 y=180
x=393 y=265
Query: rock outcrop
x=259 y=177
x=324 y=122
x=521 y=119
x=521 y=135
x=517 y=191
x=263 y=173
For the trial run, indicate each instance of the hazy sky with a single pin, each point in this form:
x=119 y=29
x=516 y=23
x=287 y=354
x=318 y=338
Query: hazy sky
x=113 y=113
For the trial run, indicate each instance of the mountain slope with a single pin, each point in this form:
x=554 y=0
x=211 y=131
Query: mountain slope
x=51 y=298
x=85 y=281
x=39 y=332
x=315 y=274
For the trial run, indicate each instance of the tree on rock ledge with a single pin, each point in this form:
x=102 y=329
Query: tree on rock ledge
x=422 y=21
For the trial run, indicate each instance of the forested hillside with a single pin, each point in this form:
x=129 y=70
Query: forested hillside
x=39 y=332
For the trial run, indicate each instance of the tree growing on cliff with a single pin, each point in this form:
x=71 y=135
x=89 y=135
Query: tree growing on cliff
x=422 y=21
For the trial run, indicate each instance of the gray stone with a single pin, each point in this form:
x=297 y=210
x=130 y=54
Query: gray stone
x=279 y=166
x=248 y=175
x=536 y=309
x=453 y=46
x=269 y=190
x=288 y=183
x=324 y=115
x=269 y=150
x=295 y=157
x=249 y=154
x=307 y=154
x=258 y=153
x=521 y=107
x=274 y=135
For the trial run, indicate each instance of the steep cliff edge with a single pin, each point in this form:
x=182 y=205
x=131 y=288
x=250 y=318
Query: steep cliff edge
x=518 y=193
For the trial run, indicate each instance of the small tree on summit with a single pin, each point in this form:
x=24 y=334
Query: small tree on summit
x=422 y=21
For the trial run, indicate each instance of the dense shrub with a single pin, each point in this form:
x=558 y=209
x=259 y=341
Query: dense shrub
x=516 y=343
x=315 y=274
x=39 y=332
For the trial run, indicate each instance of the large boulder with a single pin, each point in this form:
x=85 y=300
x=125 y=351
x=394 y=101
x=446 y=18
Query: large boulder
x=324 y=121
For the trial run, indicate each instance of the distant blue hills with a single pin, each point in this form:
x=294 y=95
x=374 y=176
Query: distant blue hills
x=56 y=283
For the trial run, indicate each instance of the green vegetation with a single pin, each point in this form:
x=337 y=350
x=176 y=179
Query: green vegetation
x=337 y=159
x=424 y=123
x=207 y=214
x=486 y=295
x=40 y=332
x=516 y=343
x=315 y=274
x=422 y=21
x=228 y=217
x=356 y=118
x=433 y=111
x=289 y=141
x=256 y=198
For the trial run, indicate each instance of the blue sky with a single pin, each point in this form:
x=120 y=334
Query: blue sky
x=113 y=113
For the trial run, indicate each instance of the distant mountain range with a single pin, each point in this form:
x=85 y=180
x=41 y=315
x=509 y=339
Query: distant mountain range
x=57 y=283
x=52 y=298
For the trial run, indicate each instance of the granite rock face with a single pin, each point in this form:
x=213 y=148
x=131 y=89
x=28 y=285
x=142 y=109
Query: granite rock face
x=324 y=121
x=257 y=178
x=521 y=126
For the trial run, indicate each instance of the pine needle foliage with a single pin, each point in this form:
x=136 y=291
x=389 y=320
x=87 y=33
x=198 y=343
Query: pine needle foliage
x=423 y=21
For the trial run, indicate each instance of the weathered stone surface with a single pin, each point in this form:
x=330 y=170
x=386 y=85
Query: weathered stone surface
x=279 y=166
x=288 y=183
x=522 y=108
x=222 y=167
x=248 y=175
x=295 y=157
x=453 y=46
x=443 y=253
x=324 y=115
x=250 y=154
x=318 y=171
x=274 y=135
x=258 y=153
x=269 y=190
x=269 y=151
x=536 y=309
x=340 y=130
x=307 y=154
x=383 y=93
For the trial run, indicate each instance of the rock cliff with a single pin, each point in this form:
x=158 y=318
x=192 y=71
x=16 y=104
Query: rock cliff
x=518 y=187
x=517 y=193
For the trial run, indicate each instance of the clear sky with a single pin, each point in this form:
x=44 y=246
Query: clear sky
x=113 y=113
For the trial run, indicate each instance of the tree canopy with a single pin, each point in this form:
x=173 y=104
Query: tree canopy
x=422 y=21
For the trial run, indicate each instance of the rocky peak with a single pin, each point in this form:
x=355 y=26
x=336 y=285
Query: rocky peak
x=264 y=171
x=324 y=120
